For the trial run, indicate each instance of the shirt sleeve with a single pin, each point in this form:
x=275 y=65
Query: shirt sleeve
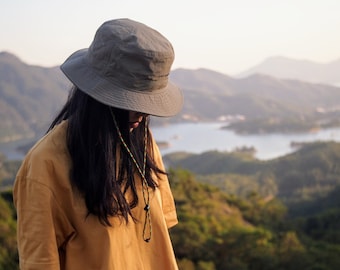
x=39 y=229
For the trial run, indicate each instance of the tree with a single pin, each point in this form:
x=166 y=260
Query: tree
x=8 y=244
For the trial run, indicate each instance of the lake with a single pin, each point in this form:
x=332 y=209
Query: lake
x=201 y=137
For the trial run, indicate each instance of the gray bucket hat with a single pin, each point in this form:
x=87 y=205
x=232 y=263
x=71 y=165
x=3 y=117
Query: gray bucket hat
x=127 y=66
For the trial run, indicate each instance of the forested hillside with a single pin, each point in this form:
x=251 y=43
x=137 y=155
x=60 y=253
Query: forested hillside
x=220 y=231
x=307 y=174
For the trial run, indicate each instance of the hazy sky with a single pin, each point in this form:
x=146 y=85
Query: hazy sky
x=228 y=36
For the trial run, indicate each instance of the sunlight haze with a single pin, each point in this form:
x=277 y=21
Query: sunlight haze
x=226 y=36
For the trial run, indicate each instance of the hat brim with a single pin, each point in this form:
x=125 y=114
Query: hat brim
x=164 y=102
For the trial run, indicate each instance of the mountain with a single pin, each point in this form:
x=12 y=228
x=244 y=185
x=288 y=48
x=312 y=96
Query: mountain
x=266 y=103
x=31 y=95
x=303 y=70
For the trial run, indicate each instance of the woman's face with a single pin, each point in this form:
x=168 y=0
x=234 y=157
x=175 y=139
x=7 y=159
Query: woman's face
x=135 y=118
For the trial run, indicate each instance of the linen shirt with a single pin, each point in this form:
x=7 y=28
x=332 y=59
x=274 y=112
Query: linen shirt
x=54 y=231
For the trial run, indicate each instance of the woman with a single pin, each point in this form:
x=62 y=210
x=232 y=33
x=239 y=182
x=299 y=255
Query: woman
x=93 y=193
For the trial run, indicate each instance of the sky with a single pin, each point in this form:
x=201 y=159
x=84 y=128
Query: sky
x=228 y=36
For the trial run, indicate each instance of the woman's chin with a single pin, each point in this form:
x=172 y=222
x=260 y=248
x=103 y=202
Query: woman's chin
x=133 y=125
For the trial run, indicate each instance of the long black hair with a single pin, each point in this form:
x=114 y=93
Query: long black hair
x=93 y=144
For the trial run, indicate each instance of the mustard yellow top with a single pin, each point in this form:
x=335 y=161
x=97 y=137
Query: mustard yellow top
x=54 y=232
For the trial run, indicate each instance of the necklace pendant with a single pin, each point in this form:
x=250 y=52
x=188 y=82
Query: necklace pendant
x=147 y=207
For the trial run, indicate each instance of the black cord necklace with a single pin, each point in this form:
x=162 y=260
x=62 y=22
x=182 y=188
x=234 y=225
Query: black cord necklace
x=147 y=228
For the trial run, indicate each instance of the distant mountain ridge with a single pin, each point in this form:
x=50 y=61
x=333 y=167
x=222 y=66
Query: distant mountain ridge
x=303 y=70
x=31 y=95
x=261 y=99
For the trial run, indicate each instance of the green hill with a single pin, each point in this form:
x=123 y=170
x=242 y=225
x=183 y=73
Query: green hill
x=219 y=231
x=308 y=174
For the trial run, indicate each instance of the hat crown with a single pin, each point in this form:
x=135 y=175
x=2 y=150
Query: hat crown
x=131 y=54
x=127 y=66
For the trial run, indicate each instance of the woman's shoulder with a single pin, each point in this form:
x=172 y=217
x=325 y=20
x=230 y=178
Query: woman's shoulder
x=49 y=152
x=52 y=144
